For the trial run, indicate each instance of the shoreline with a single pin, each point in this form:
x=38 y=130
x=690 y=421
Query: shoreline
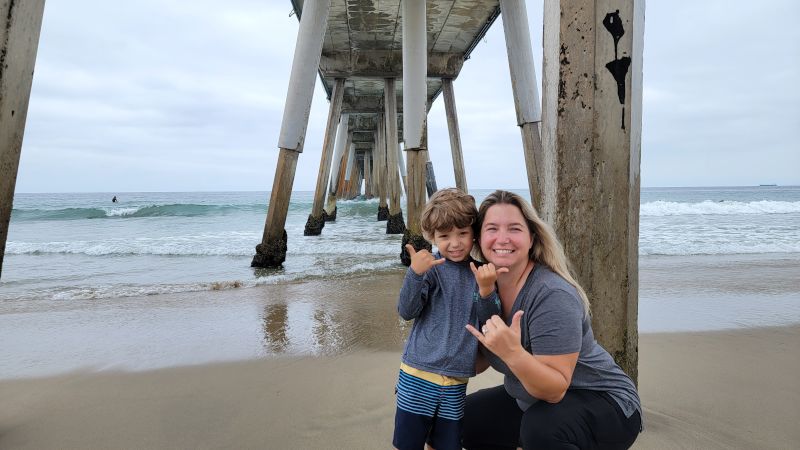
x=324 y=316
x=312 y=363
x=716 y=389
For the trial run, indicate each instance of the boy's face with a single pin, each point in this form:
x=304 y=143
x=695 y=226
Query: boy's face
x=455 y=243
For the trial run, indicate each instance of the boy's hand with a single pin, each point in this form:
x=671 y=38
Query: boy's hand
x=486 y=276
x=423 y=260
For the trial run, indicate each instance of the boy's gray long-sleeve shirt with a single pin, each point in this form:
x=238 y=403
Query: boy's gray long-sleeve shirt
x=442 y=302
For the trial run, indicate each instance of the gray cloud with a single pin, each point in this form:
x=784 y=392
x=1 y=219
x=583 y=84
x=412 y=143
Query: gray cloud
x=170 y=95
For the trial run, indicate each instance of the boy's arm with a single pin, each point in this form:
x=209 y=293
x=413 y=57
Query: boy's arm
x=413 y=295
x=486 y=307
x=414 y=292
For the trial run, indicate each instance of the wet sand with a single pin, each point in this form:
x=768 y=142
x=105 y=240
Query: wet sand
x=715 y=390
x=312 y=365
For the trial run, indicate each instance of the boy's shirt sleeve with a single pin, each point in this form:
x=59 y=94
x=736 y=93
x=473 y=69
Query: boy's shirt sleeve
x=485 y=307
x=413 y=294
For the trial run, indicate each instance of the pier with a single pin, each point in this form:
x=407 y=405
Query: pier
x=383 y=64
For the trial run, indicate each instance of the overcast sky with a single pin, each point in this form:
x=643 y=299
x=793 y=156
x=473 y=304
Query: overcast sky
x=168 y=95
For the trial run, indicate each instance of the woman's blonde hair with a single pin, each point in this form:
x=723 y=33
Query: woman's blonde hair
x=546 y=248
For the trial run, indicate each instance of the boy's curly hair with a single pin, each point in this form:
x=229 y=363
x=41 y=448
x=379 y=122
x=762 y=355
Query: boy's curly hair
x=446 y=209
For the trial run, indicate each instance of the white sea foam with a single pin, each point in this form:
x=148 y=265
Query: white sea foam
x=122 y=212
x=716 y=248
x=663 y=208
x=196 y=246
x=101 y=291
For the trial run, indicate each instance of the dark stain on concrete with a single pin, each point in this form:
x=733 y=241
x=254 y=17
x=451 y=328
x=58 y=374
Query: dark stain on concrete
x=619 y=66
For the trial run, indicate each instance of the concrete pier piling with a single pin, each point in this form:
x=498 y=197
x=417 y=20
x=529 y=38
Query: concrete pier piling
x=526 y=91
x=455 y=134
x=394 y=223
x=271 y=252
x=316 y=220
x=402 y=166
x=19 y=41
x=415 y=110
x=593 y=51
x=342 y=137
x=381 y=172
x=368 y=175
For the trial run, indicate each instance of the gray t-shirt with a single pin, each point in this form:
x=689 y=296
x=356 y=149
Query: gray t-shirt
x=555 y=323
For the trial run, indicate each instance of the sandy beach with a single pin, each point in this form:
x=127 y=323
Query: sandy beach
x=716 y=390
x=321 y=371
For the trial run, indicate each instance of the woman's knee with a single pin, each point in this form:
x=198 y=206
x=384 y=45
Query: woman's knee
x=491 y=420
x=539 y=437
x=546 y=428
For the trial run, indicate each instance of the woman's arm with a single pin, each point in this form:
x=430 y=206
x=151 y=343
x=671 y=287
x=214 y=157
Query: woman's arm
x=546 y=377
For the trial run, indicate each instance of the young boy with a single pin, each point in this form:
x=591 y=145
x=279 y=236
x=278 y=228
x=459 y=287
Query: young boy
x=440 y=293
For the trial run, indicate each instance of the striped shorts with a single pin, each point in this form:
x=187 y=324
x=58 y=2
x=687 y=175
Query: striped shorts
x=431 y=395
x=429 y=409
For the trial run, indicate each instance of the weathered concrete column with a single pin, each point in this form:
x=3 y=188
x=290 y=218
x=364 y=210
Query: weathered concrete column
x=19 y=40
x=415 y=109
x=359 y=177
x=368 y=174
x=455 y=134
x=316 y=219
x=343 y=137
x=348 y=173
x=430 y=178
x=395 y=224
x=271 y=252
x=526 y=91
x=592 y=123
x=401 y=162
x=381 y=173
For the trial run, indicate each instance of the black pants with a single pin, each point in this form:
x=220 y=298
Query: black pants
x=582 y=420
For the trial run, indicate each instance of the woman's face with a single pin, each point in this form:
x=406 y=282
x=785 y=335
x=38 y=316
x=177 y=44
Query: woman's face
x=505 y=238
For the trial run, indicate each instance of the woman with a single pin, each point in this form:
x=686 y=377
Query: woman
x=562 y=389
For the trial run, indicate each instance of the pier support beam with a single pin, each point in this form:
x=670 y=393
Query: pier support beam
x=380 y=169
x=414 y=121
x=343 y=137
x=592 y=129
x=430 y=178
x=316 y=219
x=368 y=175
x=19 y=41
x=271 y=252
x=526 y=91
x=395 y=223
x=403 y=174
x=349 y=173
x=455 y=134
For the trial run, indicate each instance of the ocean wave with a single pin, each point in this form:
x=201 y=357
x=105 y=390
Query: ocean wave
x=267 y=277
x=196 y=246
x=663 y=208
x=715 y=249
x=173 y=210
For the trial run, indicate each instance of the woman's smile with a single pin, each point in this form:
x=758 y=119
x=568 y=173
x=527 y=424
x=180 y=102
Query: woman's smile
x=505 y=236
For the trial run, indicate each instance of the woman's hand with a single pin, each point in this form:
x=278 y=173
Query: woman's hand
x=486 y=276
x=502 y=340
x=546 y=377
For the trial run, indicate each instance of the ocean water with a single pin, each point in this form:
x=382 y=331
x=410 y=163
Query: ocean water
x=82 y=246
x=80 y=272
